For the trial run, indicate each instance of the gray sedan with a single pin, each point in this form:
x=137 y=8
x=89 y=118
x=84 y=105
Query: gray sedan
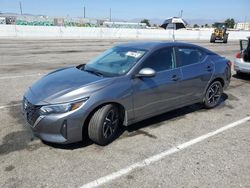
x=124 y=85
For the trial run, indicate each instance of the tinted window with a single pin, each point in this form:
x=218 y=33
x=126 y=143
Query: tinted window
x=189 y=56
x=160 y=60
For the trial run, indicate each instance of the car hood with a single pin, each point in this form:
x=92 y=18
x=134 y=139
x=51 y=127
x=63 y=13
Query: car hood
x=65 y=85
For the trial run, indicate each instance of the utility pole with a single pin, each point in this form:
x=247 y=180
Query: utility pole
x=84 y=12
x=110 y=14
x=181 y=13
x=84 y=9
x=21 y=9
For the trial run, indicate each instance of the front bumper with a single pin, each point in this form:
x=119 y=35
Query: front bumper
x=58 y=128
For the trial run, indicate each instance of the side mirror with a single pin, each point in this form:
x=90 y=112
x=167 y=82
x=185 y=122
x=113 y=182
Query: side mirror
x=146 y=72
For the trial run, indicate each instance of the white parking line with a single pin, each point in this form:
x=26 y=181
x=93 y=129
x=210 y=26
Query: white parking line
x=9 y=106
x=161 y=155
x=20 y=76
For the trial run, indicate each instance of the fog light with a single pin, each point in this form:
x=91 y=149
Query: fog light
x=64 y=129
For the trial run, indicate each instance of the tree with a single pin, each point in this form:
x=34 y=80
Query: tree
x=196 y=26
x=146 y=21
x=230 y=23
x=206 y=25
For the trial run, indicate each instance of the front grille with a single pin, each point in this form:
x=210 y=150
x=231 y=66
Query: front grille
x=31 y=111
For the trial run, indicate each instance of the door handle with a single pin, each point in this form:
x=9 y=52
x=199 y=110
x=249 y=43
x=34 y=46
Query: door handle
x=209 y=68
x=175 y=78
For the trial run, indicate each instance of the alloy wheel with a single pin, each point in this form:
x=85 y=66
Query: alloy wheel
x=110 y=124
x=214 y=94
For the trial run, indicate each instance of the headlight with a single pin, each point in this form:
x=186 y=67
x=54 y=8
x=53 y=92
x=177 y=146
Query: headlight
x=61 y=108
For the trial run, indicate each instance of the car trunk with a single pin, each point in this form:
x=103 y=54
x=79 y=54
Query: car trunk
x=245 y=49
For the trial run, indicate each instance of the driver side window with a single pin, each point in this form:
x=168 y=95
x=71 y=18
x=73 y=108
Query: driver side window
x=160 y=60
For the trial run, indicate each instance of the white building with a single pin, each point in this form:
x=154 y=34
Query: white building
x=243 y=26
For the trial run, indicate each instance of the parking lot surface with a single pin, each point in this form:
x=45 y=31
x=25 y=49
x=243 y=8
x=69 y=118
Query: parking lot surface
x=222 y=160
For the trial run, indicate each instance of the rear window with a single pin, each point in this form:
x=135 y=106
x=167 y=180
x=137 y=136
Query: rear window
x=189 y=56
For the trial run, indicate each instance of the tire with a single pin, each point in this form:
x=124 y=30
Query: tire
x=212 y=39
x=213 y=95
x=225 y=38
x=104 y=124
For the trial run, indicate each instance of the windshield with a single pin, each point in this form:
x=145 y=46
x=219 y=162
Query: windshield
x=114 y=62
x=220 y=25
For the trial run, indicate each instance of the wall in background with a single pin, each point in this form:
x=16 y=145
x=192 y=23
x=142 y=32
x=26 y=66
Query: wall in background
x=18 y=31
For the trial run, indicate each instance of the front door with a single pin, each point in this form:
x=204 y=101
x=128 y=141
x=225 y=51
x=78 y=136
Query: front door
x=154 y=95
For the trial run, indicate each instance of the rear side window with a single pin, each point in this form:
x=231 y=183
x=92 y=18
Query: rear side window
x=189 y=56
x=161 y=60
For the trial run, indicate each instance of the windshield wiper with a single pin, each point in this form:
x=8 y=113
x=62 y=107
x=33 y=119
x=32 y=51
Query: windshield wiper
x=94 y=72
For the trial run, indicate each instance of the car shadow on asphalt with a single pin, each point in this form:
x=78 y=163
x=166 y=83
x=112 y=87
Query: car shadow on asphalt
x=174 y=115
x=136 y=129
x=242 y=76
x=11 y=144
x=85 y=143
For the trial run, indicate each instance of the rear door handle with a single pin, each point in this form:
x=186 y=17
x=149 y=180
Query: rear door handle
x=175 y=78
x=209 y=68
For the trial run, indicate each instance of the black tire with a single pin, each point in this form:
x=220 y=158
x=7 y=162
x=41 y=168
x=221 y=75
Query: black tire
x=212 y=38
x=225 y=38
x=103 y=125
x=213 y=95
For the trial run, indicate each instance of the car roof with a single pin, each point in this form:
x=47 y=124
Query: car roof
x=154 y=44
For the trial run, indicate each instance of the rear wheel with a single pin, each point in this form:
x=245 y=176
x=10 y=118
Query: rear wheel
x=103 y=125
x=213 y=95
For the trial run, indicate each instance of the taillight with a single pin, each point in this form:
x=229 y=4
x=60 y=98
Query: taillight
x=238 y=55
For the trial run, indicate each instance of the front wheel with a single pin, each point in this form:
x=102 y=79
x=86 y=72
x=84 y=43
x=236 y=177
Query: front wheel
x=213 y=95
x=212 y=39
x=103 y=125
x=225 y=38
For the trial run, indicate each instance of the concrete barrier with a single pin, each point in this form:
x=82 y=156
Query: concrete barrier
x=18 y=31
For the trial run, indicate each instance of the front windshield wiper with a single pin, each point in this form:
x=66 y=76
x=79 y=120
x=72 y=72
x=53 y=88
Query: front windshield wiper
x=94 y=72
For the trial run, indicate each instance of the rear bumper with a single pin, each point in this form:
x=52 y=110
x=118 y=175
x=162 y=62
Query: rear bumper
x=241 y=66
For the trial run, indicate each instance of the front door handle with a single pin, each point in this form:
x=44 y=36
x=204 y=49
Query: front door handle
x=175 y=78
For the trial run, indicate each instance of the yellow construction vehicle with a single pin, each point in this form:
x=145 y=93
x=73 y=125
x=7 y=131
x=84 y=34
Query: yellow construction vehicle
x=220 y=33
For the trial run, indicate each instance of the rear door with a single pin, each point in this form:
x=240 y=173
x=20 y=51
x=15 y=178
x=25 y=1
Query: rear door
x=196 y=71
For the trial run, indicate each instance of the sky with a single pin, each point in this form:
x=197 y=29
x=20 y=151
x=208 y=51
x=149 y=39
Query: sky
x=131 y=9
